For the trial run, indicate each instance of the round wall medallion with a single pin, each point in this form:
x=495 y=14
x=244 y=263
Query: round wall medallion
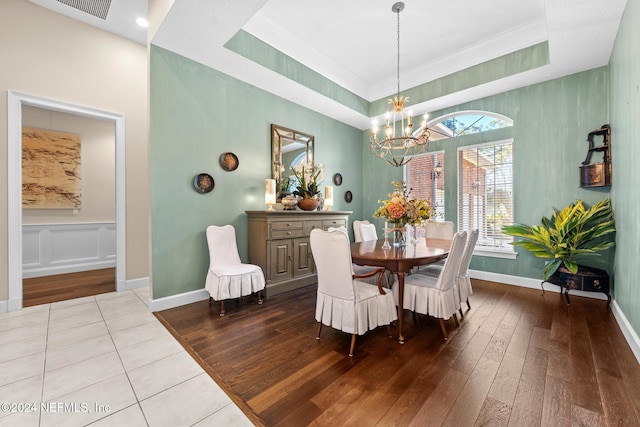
x=337 y=179
x=229 y=161
x=203 y=183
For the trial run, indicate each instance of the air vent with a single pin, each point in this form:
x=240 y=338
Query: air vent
x=97 y=8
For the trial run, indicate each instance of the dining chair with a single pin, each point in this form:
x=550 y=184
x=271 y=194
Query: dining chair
x=356 y=229
x=358 y=269
x=228 y=277
x=368 y=232
x=439 y=229
x=436 y=296
x=463 y=279
x=343 y=302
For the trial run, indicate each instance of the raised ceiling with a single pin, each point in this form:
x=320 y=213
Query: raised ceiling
x=353 y=43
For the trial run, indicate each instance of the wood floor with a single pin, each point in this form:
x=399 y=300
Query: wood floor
x=60 y=287
x=519 y=358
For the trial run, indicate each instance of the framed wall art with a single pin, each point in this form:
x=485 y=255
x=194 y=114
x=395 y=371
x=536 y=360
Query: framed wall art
x=337 y=179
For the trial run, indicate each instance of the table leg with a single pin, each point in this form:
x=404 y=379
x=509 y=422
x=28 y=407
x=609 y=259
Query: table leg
x=400 y=305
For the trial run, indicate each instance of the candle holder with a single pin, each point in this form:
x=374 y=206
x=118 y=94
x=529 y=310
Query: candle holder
x=386 y=245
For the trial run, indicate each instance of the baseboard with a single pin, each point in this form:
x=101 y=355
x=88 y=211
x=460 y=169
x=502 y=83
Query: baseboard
x=52 y=270
x=137 y=283
x=172 y=301
x=527 y=282
x=627 y=330
x=10 y=305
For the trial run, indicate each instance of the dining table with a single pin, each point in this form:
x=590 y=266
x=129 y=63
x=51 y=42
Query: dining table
x=400 y=261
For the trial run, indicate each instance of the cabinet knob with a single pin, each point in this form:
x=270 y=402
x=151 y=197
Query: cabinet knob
x=288 y=224
x=290 y=258
x=288 y=232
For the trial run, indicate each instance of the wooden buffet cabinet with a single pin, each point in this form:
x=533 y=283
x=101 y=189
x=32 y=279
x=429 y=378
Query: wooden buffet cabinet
x=279 y=244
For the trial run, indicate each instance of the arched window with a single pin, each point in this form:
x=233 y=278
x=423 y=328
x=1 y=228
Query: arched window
x=484 y=178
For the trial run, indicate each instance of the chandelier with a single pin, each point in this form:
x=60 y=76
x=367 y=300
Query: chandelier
x=399 y=149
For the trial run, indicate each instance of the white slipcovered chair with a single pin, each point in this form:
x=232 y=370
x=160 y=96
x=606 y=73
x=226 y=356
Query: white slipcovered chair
x=228 y=277
x=368 y=232
x=436 y=296
x=463 y=279
x=439 y=230
x=360 y=270
x=343 y=302
x=356 y=229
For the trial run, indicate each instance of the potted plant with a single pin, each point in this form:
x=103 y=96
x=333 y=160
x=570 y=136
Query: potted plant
x=308 y=178
x=571 y=234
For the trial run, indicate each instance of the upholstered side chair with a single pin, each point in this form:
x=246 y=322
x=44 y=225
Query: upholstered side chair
x=357 y=234
x=343 y=302
x=436 y=296
x=463 y=279
x=227 y=277
x=439 y=230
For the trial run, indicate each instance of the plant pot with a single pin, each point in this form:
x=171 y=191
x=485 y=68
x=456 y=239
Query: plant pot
x=308 y=204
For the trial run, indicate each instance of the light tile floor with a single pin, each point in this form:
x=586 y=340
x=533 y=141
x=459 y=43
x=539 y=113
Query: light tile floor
x=103 y=360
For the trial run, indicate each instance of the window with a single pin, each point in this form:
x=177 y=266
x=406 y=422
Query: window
x=425 y=177
x=485 y=193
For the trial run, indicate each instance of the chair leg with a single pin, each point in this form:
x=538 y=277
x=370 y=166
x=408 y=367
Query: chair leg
x=221 y=308
x=319 y=330
x=468 y=305
x=389 y=330
x=259 y=298
x=455 y=319
x=444 y=329
x=461 y=315
x=353 y=344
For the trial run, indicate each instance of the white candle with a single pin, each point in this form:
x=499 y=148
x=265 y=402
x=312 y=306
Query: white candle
x=385 y=226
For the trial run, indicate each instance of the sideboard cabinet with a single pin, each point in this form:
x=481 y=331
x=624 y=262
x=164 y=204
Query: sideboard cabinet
x=279 y=244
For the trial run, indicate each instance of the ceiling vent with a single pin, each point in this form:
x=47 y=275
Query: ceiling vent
x=97 y=8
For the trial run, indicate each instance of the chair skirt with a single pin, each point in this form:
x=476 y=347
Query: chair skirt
x=234 y=281
x=464 y=286
x=422 y=296
x=369 y=310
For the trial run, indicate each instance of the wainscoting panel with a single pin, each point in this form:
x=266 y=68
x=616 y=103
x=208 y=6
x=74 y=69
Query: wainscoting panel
x=49 y=249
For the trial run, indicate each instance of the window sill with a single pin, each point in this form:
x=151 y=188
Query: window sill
x=495 y=254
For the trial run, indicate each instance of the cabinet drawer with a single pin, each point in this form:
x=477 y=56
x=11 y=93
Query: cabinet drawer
x=282 y=234
x=285 y=225
x=310 y=225
x=333 y=223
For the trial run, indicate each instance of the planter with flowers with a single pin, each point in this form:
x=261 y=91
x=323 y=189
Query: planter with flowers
x=307 y=178
x=401 y=210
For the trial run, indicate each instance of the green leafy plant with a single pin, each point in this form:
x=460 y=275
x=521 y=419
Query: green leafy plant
x=308 y=177
x=573 y=232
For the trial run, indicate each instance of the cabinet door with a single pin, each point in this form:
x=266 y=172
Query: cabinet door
x=302 y=259
x=281 y=259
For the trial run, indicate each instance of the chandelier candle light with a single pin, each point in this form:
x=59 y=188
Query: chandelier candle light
x=399 y=149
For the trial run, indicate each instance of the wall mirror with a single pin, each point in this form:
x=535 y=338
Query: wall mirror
x=289 y=148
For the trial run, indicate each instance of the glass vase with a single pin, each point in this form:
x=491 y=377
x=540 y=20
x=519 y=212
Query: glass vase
x=400 y=236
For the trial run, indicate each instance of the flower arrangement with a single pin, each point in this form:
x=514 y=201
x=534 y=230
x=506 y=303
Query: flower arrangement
x=399 y=209
x=308 y=177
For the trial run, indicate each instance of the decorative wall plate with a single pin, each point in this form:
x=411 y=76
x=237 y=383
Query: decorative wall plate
x=229 y=161
x=348 y=196
x=203 y=183
x=337 y=179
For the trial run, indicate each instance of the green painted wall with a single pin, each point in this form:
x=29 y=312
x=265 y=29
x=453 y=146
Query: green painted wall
x=625 y=146
x=551 y=122
x=196 y=115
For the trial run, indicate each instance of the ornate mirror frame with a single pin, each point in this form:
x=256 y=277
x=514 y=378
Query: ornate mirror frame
x=286 y=146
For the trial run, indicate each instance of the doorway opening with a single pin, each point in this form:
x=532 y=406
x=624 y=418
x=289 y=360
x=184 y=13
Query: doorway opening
x=15 y=103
